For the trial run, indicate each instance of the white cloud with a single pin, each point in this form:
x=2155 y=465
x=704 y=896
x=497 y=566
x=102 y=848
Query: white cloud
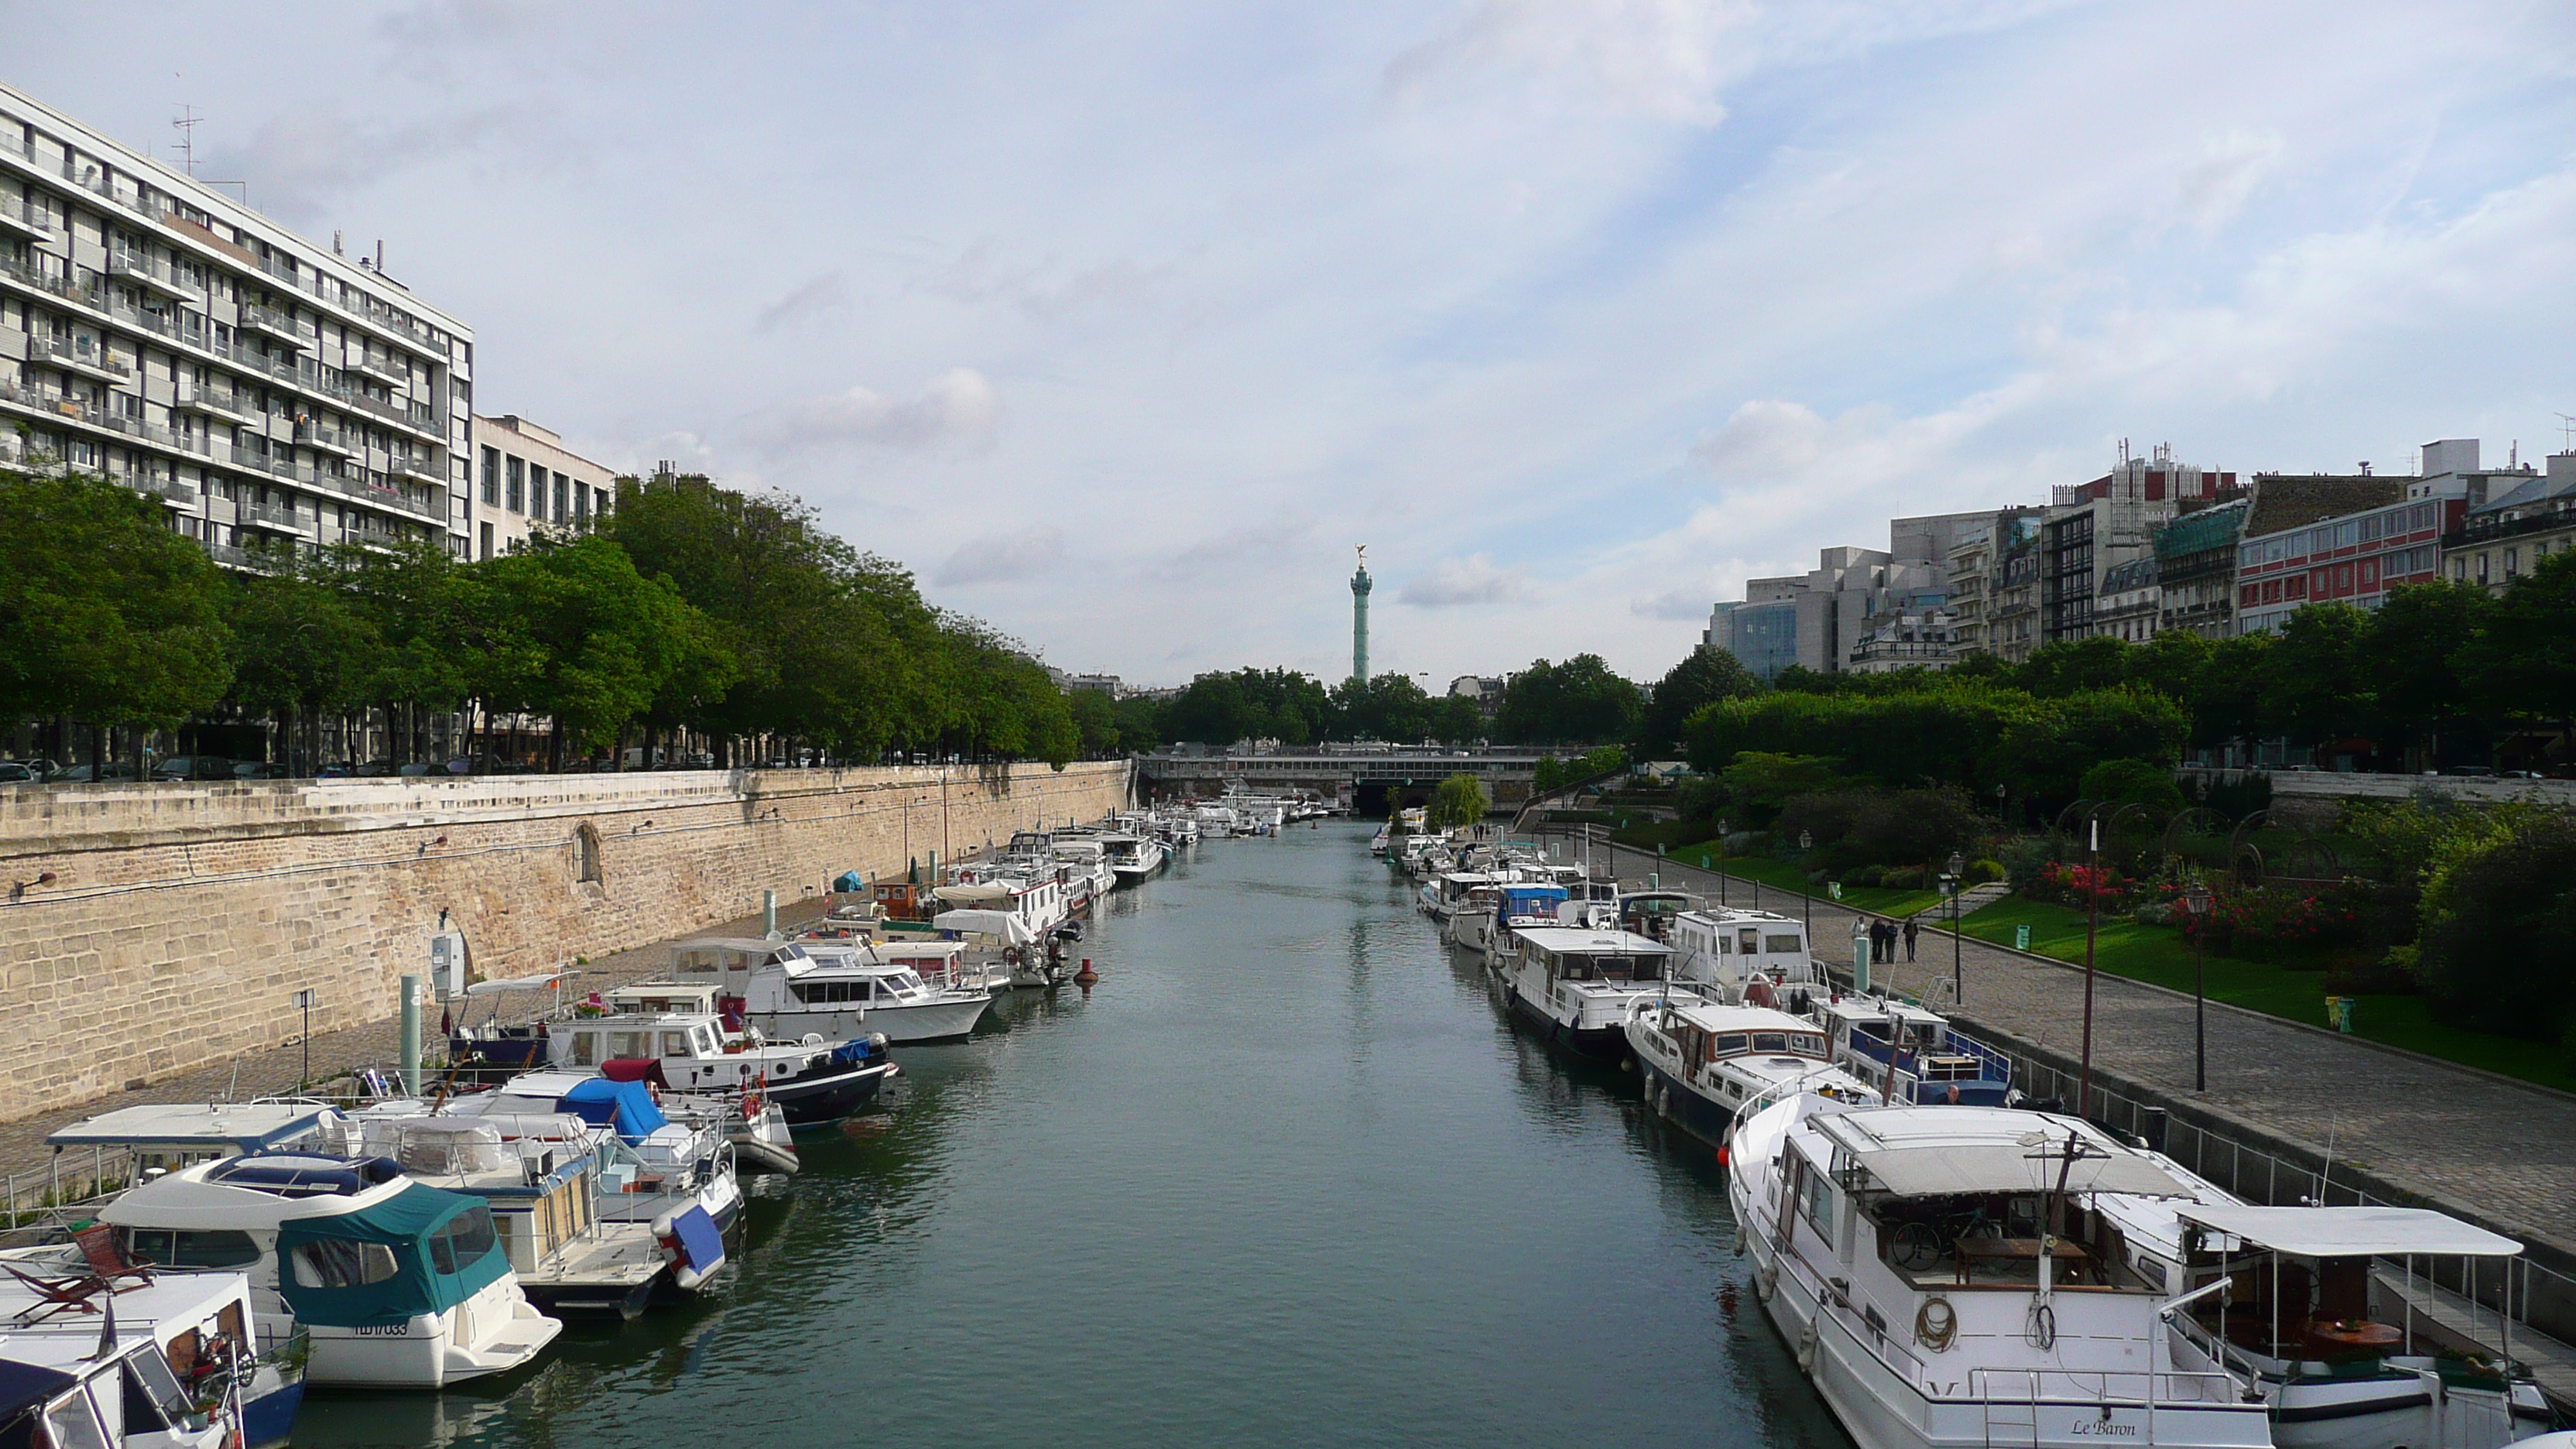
x=1455 y=582
x=2219 y=184
x=817 y=295
x=957 y=406
x=1008 y=555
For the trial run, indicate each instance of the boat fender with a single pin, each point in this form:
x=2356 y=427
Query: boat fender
x=1011 y=955
x=1740 y=1240
x=1936 y=1324
x=1807 y=1344
x=1767 y=1282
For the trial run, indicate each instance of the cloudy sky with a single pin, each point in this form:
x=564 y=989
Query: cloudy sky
x=1121 y=323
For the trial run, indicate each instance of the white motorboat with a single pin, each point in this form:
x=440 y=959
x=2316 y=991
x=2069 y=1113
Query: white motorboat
x=1133 y=855
x=393 y=1284
x=811 y=1083
x=832 y=990
x=1516 y=905
x=1041 y=898
x=1912 y=1054
x=1702 y=1060
x=2315 y=1310
x=1446 y=894
x=653 y=1167
x=1575 y=985
x=1085 y=859
x=545 y=1206
x=196 y=1324
x=995 y=948
x=1947 y=1279
x=103 y=1387
x=1731 y=948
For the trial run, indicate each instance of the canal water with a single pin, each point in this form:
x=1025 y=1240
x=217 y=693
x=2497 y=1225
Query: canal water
x=1287 y=1176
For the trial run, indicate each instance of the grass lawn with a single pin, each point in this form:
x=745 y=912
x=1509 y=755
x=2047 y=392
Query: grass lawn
x=1792 y=878
x=2156 y=954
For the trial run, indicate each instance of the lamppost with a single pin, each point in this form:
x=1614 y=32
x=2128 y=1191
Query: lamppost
x=1721 y=862
x=1806 y=843
x=2196 y=901
x=1958 y=981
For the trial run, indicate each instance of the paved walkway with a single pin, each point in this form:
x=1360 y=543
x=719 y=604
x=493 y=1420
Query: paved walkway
x=2490 y=1148
x=25 y=1160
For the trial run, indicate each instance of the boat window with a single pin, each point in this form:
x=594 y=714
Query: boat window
x=1806 y=1045
x=675 y=1043
x=1730 y=1043
x=630 y=1043
x=70 y=1423
x=1751 y=940
x=153 y=1399
x=330 y=1264
x=1816 y=1201
x=1780 y=944
x=1923 y=1033
x=208 y=1248
x=463 y=1242
x=585 y=1049
x=1770 y=1041
x=706 y=1041
x=904 y=981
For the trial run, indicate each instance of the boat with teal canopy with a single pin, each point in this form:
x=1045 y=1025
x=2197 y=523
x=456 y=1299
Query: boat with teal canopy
x=421 y=1251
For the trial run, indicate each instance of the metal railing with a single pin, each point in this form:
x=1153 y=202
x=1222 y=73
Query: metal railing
x=41 y=348
x=17 y=212
x=276 y=323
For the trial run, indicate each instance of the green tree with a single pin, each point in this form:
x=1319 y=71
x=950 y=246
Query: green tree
x=2171 y=664
x=2226 y=698
x=1760 y=784
x=1455 y=720
x=1389 y=707
x=1095 y=721
x=2317 y=675
x=2419 y=641
x=1580 y=700
x=1140 y=724
x=594 y=641
x=112 y=618
x=2523 y=663
x=1704 y=676
x=2071 y=666
x=1460 y=800
x=2499 y=941
x=304 y=647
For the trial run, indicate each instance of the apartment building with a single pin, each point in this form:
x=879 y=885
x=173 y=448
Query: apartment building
x=1976 y=576
x=2092 y=528
x=2195 y=559
x=2317 y=537
x=268 y=390
x=2518 y=523
x=525 y=478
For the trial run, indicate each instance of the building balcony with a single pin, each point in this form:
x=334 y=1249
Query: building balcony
x=419 y=418
x=273 y=465
x=18 y=219
x=430 y=469
x=392 y=371
x=173 y=490
x=215 y=402
x=275 y=516
x=357 y=307
x=276 y=325
x=151 y=275
x=90 y=359
x=256 y=561
x=324 y=440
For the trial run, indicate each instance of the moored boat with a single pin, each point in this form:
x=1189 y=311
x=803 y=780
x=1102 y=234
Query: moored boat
x=1575 y=985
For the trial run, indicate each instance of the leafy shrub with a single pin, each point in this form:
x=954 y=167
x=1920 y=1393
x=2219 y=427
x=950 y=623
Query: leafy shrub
x=1865 y=825
x=2024 y=858
x=2280 y=922
x=1902 y=878
x=2132 y=782
x=1868 y=875
x=2499 y=945
x=2075 y=885
x=1982 y=871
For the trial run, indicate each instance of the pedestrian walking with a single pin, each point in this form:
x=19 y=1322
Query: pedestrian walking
x=1911 y=930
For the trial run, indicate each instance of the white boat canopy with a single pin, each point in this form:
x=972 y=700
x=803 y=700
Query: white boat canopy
x=1954 y=1151
x=2352 y=1232
x=1008 y=926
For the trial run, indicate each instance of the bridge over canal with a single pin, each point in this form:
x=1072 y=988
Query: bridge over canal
x=1365 y=781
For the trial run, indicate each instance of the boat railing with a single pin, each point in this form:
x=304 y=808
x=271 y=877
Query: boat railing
x=2111 y=1388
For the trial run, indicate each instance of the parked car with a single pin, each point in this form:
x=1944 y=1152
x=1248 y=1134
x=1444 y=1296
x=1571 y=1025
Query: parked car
x=2473 y=771
x=193 y=767
x=460 y=766
x=418 y=768
x=109 y=773
x=262 y=770
x=373 y=769
x=333 y=772
x=13 y=772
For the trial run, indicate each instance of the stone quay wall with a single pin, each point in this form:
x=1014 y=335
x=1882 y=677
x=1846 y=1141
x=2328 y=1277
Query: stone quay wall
x=179 y=920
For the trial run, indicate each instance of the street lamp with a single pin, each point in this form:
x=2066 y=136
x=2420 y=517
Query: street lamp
x=2196 y=901
x=1721 y=857
x=1958 y=980
x=1806 y=843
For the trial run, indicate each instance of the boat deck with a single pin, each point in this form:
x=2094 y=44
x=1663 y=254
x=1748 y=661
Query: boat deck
x=2553 y=1364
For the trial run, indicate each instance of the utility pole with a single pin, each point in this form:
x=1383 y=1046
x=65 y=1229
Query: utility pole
x=2092 y=925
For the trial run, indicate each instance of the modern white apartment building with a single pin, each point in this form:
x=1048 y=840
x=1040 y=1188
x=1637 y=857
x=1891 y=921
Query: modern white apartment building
x=524 y=476
x=264 y=387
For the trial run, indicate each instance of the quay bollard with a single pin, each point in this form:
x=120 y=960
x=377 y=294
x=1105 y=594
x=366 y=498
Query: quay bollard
x=411 y=1035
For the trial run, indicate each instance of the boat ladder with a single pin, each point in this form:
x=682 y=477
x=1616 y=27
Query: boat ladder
x=2011 y=1423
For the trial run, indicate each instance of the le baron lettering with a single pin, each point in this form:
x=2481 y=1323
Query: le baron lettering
x=2103 y=1429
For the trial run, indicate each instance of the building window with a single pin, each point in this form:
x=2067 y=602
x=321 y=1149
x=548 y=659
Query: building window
x=586 y=853
x=487 y=540
x=518 y=486
x=492 y=477
x=2512 y=562
x=563 y=499
x=2482 y=568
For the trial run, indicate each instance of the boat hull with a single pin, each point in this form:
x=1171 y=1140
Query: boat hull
x=824 y=1099
x=1685 y=1106
x=1606 y=1044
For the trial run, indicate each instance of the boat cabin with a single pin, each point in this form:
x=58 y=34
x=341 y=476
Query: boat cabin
x=1729 y=947
x=72 y=1392
x=901 y=900
x=1620 y=958
x=167 y=1137
x=1652 y=912
x=658 y=998
x=1911 y=1053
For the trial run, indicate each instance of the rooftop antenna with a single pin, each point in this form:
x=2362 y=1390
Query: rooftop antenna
x=185 y=123
x=2567 y=430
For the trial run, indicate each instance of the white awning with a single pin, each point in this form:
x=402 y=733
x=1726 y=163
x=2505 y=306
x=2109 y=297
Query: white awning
x=1006 y=926
x=2352 y=1232
x=1980 y=1168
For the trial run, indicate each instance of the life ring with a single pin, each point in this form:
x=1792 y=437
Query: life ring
x=1936 y=1324
x=1011 y=955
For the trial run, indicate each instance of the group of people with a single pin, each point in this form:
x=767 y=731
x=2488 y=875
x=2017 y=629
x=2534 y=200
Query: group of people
x=1884 y=934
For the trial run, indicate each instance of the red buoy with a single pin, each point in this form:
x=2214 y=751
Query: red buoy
x=1086 y=975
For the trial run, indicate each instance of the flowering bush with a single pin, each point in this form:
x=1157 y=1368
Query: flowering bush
x=2269 y=922
x=2075 y=885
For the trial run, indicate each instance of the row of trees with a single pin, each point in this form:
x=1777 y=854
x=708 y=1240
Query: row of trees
x=2440 y=672
x=735 y=618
